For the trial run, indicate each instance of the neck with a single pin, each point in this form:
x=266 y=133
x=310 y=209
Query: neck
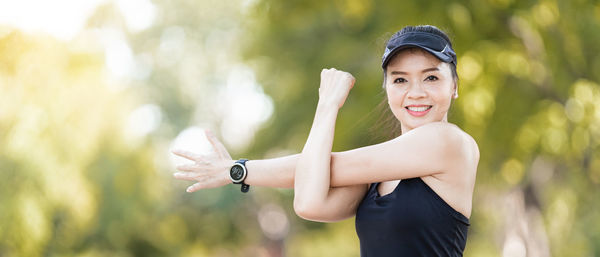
x=405 y=129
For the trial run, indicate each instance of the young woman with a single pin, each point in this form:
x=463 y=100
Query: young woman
x=412 y=195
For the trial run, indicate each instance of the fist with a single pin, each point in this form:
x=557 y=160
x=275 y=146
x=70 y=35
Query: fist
x=335 y=86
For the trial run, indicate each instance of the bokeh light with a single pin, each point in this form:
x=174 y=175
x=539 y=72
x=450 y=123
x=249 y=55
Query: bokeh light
x=95 y=94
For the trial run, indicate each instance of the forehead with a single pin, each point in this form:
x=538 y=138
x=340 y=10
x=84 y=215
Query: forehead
x=413 y=57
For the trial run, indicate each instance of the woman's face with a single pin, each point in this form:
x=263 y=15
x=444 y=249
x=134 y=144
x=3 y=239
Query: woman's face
x=419 y=88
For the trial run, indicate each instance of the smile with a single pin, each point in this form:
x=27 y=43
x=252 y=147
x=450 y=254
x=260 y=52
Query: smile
x=418 y=110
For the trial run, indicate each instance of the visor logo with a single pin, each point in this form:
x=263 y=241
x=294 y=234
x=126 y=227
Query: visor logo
x=448 y=52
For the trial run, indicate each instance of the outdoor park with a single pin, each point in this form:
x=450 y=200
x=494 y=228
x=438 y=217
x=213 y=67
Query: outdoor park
x=95 y=94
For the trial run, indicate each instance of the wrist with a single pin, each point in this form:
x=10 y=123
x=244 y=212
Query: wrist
x=238 y=174
x=326 y=109
x=227 y=170
x=327 y=104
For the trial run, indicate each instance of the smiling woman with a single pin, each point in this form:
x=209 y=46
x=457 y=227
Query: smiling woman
x=421 y=41
x=418 y=85
x=412 y=195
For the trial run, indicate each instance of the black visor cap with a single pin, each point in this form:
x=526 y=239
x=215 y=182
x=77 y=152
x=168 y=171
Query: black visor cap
x=429 y=42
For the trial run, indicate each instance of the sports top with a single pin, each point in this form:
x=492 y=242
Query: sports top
x=410 y=221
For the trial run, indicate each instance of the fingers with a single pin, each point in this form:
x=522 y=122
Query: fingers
x=189 y=167
x=217 y=145
x=194 y=188
x=185 y=175
x=188 y=155
x=326 y=70
x=202 y=181
x=209 y=182
x=204 y=167
x=341 y=73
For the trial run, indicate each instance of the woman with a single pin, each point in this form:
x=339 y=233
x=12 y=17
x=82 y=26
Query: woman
x=411 y=195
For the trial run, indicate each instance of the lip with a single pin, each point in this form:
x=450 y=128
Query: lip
x=417 y=113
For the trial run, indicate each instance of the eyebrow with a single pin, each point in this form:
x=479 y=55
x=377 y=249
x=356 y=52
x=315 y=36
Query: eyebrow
x=423 y=71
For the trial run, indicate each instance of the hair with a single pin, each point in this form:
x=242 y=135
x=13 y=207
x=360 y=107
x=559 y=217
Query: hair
x=387 y=121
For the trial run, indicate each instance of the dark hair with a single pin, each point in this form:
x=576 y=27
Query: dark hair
x=387 y=122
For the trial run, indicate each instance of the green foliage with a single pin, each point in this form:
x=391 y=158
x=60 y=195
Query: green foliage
x=73 y=182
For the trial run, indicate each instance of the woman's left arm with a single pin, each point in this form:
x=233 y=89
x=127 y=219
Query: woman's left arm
x=437 y=149
x=312 y=187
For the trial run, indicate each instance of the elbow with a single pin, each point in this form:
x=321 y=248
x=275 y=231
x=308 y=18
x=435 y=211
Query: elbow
x=316 y=213
x=307 y=211
x=303 y=210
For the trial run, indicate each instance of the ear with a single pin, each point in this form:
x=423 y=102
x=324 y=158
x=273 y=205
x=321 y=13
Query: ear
x=455 y=94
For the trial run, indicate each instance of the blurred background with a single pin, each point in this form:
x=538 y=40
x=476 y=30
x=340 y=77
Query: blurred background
x=94 y=94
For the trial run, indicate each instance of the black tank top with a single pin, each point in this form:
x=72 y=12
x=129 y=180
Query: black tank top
x=410 y=221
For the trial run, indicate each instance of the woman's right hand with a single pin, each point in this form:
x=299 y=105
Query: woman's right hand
x=335 y=86
x=211 y=170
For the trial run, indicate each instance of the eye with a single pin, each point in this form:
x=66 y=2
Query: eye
x=399 y=80
x=432 y=78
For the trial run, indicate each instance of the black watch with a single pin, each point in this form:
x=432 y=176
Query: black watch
x=238 y=173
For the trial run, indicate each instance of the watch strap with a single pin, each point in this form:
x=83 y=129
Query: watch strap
x=242 y=161
x=245 y=187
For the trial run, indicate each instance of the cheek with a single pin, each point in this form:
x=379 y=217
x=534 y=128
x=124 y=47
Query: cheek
x=442 y=97
x=394 y=96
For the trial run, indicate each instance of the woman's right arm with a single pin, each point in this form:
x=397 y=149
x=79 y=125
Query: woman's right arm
x=212 y=170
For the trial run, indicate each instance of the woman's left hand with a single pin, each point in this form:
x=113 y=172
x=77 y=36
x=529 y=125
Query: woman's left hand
x=211 y=170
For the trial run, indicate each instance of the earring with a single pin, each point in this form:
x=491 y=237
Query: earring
x=455 y=94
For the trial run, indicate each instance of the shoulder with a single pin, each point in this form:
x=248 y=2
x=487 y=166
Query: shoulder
x=450 y=139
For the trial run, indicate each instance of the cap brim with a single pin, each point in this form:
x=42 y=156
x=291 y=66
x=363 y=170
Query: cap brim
x=443 y=57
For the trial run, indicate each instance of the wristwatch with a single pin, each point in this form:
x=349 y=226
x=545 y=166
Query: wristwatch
x=238 y=173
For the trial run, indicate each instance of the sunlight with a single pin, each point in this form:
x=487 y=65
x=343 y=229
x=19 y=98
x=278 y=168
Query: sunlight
x=191 y=139
x=245 y=107
x=119 y=56
x=138 y=14
x=62 y=19
x=143 y=120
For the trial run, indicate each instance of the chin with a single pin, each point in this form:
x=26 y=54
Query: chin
x=414 y=125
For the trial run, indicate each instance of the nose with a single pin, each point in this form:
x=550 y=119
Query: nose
x=415 y=91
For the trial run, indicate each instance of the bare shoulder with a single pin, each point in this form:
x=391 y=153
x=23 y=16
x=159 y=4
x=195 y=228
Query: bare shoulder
x=456 y=183
x=449 y=136
x=455 y=143
x=465 y=143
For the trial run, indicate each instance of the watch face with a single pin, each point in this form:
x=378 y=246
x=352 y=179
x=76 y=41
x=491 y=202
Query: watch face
x=237 y=173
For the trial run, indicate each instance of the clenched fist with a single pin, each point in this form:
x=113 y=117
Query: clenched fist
x=335 y=86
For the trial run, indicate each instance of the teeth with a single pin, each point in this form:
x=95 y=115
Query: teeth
x=419 y=109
